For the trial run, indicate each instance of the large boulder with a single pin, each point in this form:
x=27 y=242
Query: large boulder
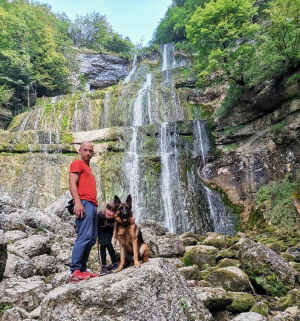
x=155 y=291
x=265 y=267
x=3 y=253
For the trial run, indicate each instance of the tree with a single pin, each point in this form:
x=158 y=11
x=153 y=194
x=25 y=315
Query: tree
x=222 y=32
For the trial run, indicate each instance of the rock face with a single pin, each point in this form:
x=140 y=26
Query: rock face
x=3 y=253
x=101 y=71
x=152 y=292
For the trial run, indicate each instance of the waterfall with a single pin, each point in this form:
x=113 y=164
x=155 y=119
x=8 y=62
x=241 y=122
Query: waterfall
x=220 y=215
x=132 y=71
x=201 y=142
x=132 y=173
x=75 y=118
x=171 y=194
x=138 y=110
x=104 y=115
x=24 y=122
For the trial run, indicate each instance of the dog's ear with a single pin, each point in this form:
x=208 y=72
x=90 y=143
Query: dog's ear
x=129 y=200
x=117 y=200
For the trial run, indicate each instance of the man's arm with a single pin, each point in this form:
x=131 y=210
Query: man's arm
x=73 y=182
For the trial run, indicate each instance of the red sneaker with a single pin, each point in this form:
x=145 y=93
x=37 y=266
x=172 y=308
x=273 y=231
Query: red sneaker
x=91 y=274
x=78 y=276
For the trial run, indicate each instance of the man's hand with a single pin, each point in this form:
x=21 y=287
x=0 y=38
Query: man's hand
x=79 y=210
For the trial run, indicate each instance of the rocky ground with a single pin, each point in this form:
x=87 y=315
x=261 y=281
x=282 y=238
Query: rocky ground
x=190 y=277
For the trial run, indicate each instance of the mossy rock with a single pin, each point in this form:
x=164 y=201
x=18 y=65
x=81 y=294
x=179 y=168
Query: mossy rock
x=261 y=308
x=229 y=278
x=276 y=247
x=191 y=272
x=200 y=255
x=288 y=257
x=217 y=240
x=204 y=284
x=225 y=254
x=228 y=262
x=189 y=239
x=292 y=299
x=242 y=302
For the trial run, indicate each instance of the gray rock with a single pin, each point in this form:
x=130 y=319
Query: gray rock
x=3 y=253
x=189 y=238
x=122 y=296
x=24 y=293
x=102 y=71
x=24 y=268
x=15 y=235
x=249 y=316
x=16 y=314
x=44 y=265
x=213 y=298
x=290 y=314
x=32 y=246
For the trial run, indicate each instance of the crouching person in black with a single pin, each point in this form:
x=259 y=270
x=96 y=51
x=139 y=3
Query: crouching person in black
x=105 y=234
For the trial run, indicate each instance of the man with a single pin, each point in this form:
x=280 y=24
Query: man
x=82 y=186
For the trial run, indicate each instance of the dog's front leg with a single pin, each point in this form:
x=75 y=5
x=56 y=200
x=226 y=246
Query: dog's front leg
x=122 y=258
x=136 y=261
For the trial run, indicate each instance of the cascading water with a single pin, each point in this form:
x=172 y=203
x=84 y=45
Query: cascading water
x=132 y=71
x=104 y=118
x=142 y=104
x=172 y=198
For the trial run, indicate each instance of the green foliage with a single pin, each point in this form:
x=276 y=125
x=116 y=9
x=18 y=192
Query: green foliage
x=276 y=128
x=3 y=309
x=186 y=309
x=93 y=31
x=38 y=229
x=278 y=207
x=229 y=101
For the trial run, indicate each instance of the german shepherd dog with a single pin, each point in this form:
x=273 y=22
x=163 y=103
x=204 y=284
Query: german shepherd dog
x=132 y=247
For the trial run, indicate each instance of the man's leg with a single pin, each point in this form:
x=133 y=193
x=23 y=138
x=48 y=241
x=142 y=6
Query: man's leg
x=92 y=210
x=85 y=233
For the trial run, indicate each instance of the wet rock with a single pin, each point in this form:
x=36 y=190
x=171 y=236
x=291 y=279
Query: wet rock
x=3 y=253
x=265 y=267
x=229 y=278
x=157 y=282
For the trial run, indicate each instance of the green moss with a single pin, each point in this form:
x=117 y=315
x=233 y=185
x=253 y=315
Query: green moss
x=48 y=108
x=261 y=308
x=242 y=302
x=66 y=138
x=277 y=128
x=64 y=122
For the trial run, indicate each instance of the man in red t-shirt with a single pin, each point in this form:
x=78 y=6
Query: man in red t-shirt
x=82 y=186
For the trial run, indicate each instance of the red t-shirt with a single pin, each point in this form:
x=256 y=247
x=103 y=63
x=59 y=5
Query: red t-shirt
x=86 y=183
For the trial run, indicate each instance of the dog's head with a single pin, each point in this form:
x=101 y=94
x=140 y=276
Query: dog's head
x=123 y=209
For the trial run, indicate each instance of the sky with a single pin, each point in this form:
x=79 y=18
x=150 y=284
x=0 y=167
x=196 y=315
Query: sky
x=136 y=19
